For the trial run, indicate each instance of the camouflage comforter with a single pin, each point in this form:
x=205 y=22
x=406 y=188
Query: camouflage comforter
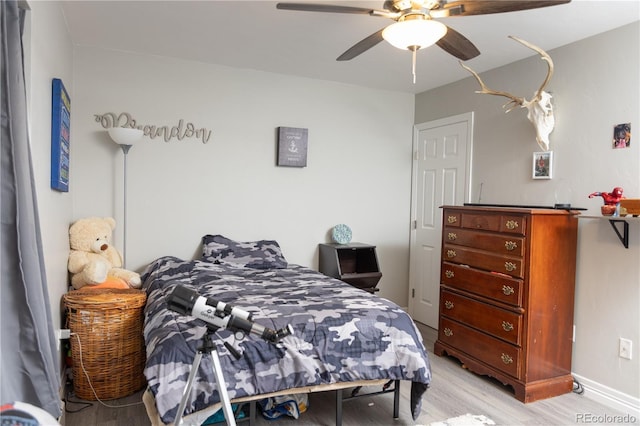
x=341 y=334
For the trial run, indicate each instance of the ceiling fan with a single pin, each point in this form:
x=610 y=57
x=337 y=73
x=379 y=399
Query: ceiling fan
x=415 y=27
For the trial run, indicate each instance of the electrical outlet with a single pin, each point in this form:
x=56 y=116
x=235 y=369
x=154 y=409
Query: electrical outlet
x=63 y=334
x=625 y=348
x=573 y=338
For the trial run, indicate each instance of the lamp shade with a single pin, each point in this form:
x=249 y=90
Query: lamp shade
x=414 y=34
x=124 y=135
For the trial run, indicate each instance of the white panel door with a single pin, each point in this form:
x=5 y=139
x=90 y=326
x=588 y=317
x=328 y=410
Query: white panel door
x=441 y=173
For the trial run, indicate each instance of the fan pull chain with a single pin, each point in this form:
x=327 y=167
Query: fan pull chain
x=413 y=65
x=414 y=50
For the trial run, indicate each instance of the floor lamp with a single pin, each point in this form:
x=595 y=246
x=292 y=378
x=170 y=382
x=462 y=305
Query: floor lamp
x=125 y=137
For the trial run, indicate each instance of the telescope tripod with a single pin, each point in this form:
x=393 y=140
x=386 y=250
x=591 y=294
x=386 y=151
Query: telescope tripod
x=208 y=347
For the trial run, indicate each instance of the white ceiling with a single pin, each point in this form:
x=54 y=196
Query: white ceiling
x=256 y=35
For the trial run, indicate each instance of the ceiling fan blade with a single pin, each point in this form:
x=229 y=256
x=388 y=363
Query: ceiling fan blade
x=309 y=7
x=361 y=46
x=483 y=7
x=458 y=45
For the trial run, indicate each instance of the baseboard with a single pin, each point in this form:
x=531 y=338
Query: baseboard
x=610 y=397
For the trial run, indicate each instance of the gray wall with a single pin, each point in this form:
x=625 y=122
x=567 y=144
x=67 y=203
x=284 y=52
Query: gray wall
x=595 y=86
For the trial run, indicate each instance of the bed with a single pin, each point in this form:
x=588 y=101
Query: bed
x=342 y=336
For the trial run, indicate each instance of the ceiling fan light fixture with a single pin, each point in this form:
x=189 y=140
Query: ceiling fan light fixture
x=414 y=34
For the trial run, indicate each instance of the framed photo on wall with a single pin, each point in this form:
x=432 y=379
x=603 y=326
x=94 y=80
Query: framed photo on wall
x=622 y=135
x=292 y=146
x=542 y=167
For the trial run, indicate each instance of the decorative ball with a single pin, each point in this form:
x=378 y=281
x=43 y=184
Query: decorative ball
x=341 y=234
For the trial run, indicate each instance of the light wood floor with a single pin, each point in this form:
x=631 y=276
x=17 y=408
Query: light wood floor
x=453 y=392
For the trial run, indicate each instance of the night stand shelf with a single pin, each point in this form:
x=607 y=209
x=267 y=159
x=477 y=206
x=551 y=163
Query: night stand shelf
x=353 y=263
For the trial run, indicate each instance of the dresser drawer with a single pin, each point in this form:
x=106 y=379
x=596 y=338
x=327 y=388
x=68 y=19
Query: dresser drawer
x=491 y=351
x=512 y=224
x=488 y=284
x=483 y=260
x=497 y=243
x=493 y=320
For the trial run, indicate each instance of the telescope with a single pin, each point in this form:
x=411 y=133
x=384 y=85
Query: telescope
x=217 y=315
x=221 y=315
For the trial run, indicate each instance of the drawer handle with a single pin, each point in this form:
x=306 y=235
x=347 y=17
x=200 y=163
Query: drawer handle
x=510 y=245
x=448 y=304
x=452 y=236
x=452 y=219
x=447 y=332
x=506 y=359
x=451 y=253
x=507 y=326
x=507 y=290
x=510 y=266
x=511 y=224
x=449 y=274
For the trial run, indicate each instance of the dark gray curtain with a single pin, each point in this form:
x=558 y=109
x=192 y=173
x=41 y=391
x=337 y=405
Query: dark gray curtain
x=28 y=356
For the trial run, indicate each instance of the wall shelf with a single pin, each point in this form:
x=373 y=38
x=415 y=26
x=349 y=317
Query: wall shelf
x=616 y=221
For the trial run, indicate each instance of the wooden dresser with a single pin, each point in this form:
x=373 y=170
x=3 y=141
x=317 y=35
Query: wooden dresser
x=506 y=296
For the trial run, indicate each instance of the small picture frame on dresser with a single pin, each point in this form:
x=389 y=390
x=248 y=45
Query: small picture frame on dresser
x=542 y=167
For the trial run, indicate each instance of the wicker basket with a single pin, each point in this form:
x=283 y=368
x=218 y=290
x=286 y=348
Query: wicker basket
x=108 y=342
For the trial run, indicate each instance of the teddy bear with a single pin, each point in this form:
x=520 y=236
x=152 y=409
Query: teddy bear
x=93 y=261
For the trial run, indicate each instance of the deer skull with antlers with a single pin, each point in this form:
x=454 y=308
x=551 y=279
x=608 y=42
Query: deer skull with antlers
x=540 y=110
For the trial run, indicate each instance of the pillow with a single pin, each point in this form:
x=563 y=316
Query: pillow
x=263 y=254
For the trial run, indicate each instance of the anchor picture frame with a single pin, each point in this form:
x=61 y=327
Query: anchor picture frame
x=292 y=147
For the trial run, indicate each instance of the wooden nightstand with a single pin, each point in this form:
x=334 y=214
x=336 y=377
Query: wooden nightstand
x=353 y=263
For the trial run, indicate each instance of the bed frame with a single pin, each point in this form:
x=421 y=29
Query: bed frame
x=388 y=386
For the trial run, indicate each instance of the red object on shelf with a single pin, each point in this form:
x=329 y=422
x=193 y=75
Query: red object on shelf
x=610 y=198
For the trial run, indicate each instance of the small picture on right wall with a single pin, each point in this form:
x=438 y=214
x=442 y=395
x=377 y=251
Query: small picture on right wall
x=542 y=165
x=621 y=135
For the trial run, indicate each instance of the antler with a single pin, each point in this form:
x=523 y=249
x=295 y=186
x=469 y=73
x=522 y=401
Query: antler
x=540 y=110
x=516 y=101
x=545 y=57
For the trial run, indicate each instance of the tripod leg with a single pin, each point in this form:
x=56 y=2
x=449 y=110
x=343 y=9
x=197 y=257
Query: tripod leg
x=222 y=390
x=187 y=388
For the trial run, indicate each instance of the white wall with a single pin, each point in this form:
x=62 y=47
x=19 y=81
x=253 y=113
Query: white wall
x=358 y=173
x=49 y=54
x=595 y=86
